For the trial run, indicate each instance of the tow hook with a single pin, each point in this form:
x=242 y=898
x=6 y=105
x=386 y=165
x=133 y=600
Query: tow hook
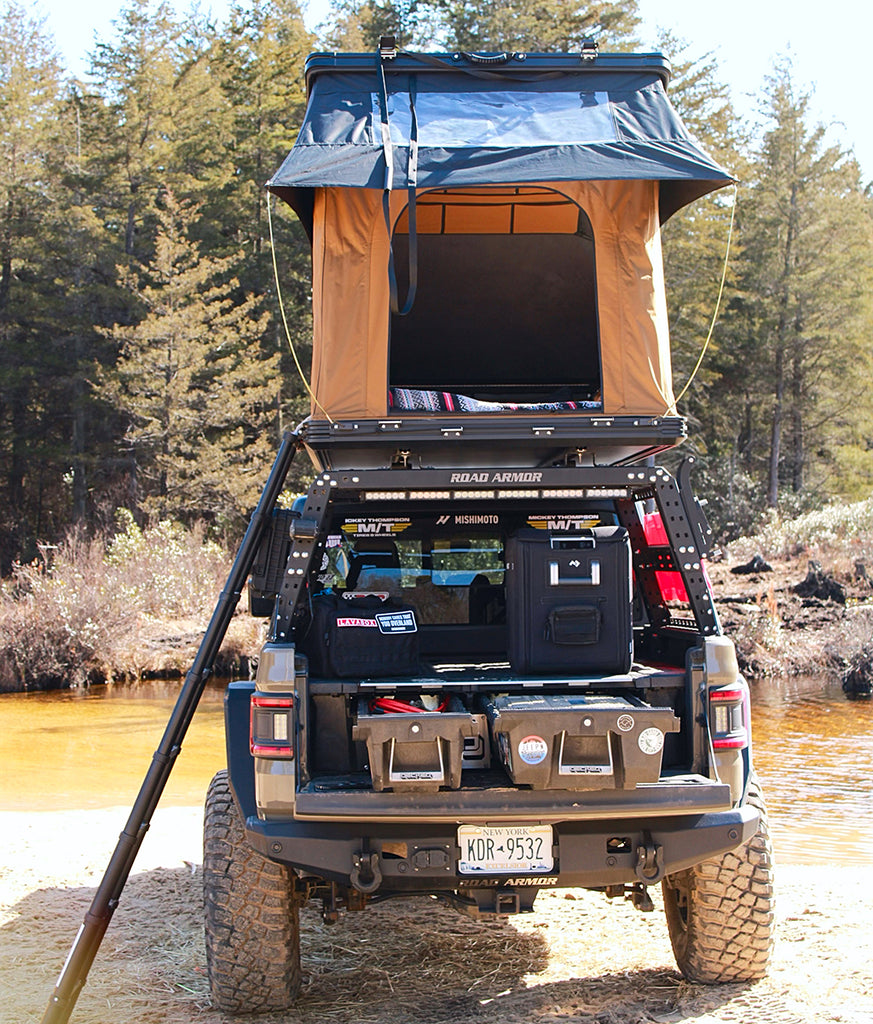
x=650 y=861
x=366 y=875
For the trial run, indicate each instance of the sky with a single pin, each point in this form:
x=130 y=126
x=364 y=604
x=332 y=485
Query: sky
x=829 y=47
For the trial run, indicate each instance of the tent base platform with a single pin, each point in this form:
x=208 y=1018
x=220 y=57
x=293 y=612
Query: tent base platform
x=519 y=440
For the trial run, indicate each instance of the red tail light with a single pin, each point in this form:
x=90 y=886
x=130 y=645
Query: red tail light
x=729 y=717
x=271 y=726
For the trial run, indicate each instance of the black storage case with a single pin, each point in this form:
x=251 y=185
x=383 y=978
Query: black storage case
x=361 y=637
x=569 y=601
x=579 y=741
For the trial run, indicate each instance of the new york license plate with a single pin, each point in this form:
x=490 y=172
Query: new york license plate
x=504 y=848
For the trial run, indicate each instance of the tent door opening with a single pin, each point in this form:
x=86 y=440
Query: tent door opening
x=506 y=306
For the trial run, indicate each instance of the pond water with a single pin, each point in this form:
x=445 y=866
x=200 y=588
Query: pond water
x=814 y=755
x=87 y=749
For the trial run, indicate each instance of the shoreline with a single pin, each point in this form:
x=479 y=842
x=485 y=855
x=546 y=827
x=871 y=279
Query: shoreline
x=577 y=958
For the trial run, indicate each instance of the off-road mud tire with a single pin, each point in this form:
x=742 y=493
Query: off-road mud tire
x=720 y=913
x=251 y=915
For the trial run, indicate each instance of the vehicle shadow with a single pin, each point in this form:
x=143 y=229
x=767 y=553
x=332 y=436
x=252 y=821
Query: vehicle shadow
x=401 y=961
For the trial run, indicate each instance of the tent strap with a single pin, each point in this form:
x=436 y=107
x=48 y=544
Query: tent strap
x=412 y=184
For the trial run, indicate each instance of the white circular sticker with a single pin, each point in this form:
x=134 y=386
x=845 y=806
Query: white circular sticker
x=625 y=723
x=533 y=749
x=651 y=740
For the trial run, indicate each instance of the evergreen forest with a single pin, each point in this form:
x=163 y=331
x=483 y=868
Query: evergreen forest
x=144 y=364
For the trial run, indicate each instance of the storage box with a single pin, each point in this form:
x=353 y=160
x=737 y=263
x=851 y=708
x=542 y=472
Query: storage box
x=569 y=601
x=578 y=741
x=361 y=637
x=415 y=752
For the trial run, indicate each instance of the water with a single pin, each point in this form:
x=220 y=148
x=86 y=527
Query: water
x=77 y=750
x=814 y=754
x=81 y=750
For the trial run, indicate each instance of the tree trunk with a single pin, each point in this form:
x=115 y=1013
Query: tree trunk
x=798 y=440
x=776 y=431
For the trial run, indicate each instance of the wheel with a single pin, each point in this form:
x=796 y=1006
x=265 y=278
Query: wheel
x=251 y=915
x=720 y=913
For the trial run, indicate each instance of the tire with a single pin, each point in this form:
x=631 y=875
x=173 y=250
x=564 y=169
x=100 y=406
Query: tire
x=251 y=915
x=720 y=913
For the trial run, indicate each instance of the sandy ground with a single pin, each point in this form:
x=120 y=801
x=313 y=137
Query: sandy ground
x=578 y=958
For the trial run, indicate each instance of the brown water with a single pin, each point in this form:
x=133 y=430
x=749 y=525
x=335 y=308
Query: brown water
x=80 y=750
x=814 y=754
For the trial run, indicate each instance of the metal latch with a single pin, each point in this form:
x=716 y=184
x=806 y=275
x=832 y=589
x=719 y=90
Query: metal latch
x=387 y=47
x=589 y=49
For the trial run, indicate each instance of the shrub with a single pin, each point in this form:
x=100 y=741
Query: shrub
x=134 y=604
x=835 y=533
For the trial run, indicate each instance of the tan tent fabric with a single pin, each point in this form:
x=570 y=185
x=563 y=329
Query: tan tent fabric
x=351 y=298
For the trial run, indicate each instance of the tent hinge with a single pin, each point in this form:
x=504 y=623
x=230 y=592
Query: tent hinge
x=589 y=49
x=387 y=47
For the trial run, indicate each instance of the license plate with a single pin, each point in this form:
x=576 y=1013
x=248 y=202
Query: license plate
x=487 y=849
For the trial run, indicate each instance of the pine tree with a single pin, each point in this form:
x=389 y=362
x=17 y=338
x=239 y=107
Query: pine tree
x=482 y=25
x=807 y=237
x=259 y=61
x=547 y=25
x=30 y=364
x=200 y=407
x=162 y=120
x=695 y=242
x=358 y=26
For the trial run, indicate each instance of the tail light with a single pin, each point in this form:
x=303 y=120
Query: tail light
x=729 y=717
x=271 y=726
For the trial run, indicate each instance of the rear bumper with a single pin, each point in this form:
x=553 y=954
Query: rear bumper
x=424 y=858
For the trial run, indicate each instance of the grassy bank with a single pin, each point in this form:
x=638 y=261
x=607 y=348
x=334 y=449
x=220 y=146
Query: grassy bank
x=127 y=606
x=782 y=631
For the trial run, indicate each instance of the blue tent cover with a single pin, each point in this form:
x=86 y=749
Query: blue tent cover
x=443 y=120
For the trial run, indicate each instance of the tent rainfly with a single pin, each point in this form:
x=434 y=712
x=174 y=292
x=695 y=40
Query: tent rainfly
x=515 y=206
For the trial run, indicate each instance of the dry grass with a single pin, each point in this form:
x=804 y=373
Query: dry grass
x=837 y=536
x=136 y=604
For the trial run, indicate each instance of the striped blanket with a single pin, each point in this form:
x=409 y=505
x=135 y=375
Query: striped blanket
x=411 y=400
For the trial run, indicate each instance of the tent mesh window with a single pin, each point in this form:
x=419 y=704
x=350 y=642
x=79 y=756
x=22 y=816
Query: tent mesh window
x=506 y=307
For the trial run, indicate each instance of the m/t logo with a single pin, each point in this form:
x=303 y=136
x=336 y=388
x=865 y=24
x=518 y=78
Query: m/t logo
x=443 y=520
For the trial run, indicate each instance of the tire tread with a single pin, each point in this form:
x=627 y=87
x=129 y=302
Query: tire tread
x=252 y=923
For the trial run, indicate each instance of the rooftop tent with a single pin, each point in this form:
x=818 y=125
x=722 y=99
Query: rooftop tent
x=531 y=194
